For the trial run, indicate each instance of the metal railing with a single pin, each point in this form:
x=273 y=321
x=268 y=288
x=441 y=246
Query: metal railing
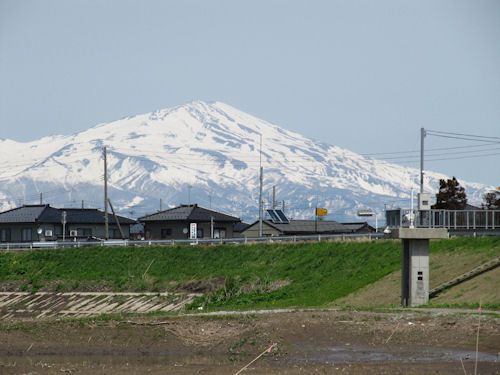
x=450 y=219
x=219 y=241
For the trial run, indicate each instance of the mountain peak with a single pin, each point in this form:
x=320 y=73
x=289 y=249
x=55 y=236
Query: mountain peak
x=212 y=147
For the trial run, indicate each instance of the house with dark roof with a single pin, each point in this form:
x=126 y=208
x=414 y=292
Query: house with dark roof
x=239 y=228
x=175 y=223
x=44 y=223
x=305 y=227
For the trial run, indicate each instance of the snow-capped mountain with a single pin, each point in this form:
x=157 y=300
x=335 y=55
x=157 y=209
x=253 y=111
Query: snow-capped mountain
x=210 y=153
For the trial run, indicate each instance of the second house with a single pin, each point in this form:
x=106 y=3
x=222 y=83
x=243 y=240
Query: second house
x=188 y=221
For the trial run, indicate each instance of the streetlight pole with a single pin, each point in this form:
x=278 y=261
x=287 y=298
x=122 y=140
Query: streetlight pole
x=422 y=136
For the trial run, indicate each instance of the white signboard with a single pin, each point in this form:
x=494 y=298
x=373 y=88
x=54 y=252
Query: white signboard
x=193 y=229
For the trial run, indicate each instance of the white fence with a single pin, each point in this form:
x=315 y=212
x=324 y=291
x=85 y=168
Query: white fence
x=236 y=241
x=450 y=219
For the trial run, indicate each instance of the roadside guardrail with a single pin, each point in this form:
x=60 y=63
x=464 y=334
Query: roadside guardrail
x=19 y=246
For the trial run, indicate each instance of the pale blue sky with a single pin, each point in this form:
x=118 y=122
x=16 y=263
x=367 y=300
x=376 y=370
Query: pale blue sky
x=364 y=75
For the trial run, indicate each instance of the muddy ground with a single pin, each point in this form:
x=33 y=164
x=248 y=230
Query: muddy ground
x=308 y=342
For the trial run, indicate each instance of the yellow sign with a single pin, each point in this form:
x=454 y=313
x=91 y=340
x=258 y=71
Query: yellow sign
x=321 y=211
x=498 y=188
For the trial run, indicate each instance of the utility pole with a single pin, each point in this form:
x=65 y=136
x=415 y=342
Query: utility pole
x=211 y=227
x=106 y=223
x=189 y=195
x=422 y=136
x=161 y=204
x=83 y=204
x=63 y=221
x=274 y=197
x=210 y=200
x=116 y=219
x=260 y=189
x=283 y=206
x=41 y=199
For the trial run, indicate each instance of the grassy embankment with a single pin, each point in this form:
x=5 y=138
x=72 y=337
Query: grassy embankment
x=275 y=275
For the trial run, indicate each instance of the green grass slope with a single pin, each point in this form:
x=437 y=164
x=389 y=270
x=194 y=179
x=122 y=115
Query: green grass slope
x=243 y=276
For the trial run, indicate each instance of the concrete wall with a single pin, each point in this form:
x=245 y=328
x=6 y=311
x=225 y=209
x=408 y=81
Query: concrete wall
x=152 y=230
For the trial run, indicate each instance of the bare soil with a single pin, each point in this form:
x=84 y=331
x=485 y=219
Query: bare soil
x=308 y=342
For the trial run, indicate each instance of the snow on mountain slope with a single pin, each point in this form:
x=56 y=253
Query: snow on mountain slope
x=214 y=149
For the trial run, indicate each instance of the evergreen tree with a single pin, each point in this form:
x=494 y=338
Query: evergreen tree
x=451 y=195
x=491 y=200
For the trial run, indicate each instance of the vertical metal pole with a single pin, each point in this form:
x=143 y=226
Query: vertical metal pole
x=64 y=225
x=422 y=136
x=260 y=189
x=41 y=199
x=283 y=206
x=260 y=201
x=316 y=220
x=106 y=222
x=411 y=213
x=274 y=197
x=83 y=204
x=211 y=227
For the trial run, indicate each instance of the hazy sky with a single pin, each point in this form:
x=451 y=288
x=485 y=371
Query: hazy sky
x=365 y=75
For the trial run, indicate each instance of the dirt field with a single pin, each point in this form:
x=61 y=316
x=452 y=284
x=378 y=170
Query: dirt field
x=308 y=342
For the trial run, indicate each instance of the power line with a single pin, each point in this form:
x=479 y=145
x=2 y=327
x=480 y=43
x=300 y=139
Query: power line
x=461 y=138
x=462 y=134
x=431 y=149
x=446 y=153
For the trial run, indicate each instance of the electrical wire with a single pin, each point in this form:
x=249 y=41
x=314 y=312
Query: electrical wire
x=460 y=134
x=461 y=138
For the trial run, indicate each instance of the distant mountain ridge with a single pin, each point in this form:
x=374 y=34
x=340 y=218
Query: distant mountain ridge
x=210 y=152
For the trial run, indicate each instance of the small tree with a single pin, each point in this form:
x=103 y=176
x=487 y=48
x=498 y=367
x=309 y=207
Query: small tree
x=491 y=200
x=451 y=195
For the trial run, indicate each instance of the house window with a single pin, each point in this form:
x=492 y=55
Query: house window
x=5 y=235
x=26 y=234
x=199 y=233
x=219 y=232
x=166 y=232
x=85 y=232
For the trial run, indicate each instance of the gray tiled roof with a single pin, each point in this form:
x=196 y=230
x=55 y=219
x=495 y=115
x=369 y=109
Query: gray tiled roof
x=92 y=216
x=240 y=227
x=297 y=226
x=310 y=226
x=192 y=213
x=24 y=214
x=356 y=226
x=47 y=214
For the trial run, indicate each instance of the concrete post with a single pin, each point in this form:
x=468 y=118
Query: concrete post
x=415 y=272
x=415 y=263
